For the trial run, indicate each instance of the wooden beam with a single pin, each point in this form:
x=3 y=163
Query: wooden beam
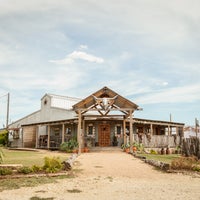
x=168 y=130
x=131 y=130
x=48 y=139
x=151 y=129
x=124 y=130
x=79 y=131
x=114 y=109
x=164 y=123
x=100 y=117
x=36 y=137
x=63 y=132
x=91 y=107
x=121 y=110
x=83 y=129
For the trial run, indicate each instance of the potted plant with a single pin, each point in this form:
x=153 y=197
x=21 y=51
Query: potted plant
x=72 y=145
x=125 y=147
x=135 y=146
x=86 y=149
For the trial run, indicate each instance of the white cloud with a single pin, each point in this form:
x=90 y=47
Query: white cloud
x=78 y=55
x=155 y=55
x=165 y=83
x=187 y=94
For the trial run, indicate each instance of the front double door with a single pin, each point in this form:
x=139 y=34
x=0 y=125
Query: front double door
x=104 y=135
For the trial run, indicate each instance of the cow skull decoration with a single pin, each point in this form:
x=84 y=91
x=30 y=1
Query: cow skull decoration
x=105 y=102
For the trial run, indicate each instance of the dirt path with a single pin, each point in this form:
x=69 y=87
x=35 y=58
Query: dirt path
x=114 y=175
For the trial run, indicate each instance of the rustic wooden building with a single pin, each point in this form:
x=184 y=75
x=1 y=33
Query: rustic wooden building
x=104 y=118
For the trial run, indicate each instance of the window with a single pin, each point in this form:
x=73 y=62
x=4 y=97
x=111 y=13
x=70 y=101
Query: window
x=68 y=131
x=56 y=131
x=16 y=134
x=119 y=128
x=90 y=130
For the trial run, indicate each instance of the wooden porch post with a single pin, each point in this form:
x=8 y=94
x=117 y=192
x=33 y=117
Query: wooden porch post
x=83 y=132
x=124 y=130
x=151 y=129
x=131 y=131
x=168 y=130
x=36 y=137
x=79 y=131
x=177 y=132
x=63 y=132
x=48 y=140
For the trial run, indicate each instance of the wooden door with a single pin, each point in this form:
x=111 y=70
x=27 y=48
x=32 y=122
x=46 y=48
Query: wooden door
x=104 y=135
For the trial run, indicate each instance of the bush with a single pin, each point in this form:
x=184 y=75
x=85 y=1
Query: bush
x=64 y=146
x=5 y=171
x=3 y=137
x=36 y=168
x=196 y=168
x=25 y=170
x=69 y=146
x=52 y=165
x=153 y=151
x=1 y=156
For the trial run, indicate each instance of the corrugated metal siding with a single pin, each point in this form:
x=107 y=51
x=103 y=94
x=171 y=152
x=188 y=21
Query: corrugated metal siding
x=63 y=102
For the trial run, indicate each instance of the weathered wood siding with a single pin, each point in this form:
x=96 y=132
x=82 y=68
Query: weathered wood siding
x=16 y=143
x=29 y=136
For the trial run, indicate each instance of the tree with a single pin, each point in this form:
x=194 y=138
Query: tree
x=4 y=137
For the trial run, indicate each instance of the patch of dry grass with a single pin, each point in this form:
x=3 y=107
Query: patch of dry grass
x=186 y=163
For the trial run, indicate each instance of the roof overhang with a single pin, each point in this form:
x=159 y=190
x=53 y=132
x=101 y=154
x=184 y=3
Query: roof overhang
x=105 y=101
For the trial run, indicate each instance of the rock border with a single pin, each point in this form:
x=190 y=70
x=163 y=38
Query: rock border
x=166 y=167
x=161 y=165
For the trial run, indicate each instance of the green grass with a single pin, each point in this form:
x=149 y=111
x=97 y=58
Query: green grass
x=15 y=183
x=163 y=158
x=29 y=158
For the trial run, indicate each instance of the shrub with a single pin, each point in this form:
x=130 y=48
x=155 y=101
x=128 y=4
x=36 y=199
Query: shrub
x=25 y=170
x=69 y=146
x=5 y=171
x=52 y=165
x=36 y=168
x=1 y=156
x=4 y=137
x=196 y=168
x=153 y=151
x=64 y=146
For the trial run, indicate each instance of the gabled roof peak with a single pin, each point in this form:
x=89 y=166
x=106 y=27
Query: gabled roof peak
x=93 y=100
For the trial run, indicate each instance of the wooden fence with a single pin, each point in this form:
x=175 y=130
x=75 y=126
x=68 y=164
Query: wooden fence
x=158 y=141
x=191 y=147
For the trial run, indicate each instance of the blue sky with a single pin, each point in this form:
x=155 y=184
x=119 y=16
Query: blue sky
x=145 y=50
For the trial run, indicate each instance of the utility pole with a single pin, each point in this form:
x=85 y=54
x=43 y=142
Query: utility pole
x=8 y=106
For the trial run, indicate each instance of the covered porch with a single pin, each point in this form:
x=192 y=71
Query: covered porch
x=108 y=109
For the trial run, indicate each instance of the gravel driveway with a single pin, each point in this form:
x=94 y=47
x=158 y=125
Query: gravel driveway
x=113 y=175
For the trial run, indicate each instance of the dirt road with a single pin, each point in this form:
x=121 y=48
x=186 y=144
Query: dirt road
x=113 y=175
